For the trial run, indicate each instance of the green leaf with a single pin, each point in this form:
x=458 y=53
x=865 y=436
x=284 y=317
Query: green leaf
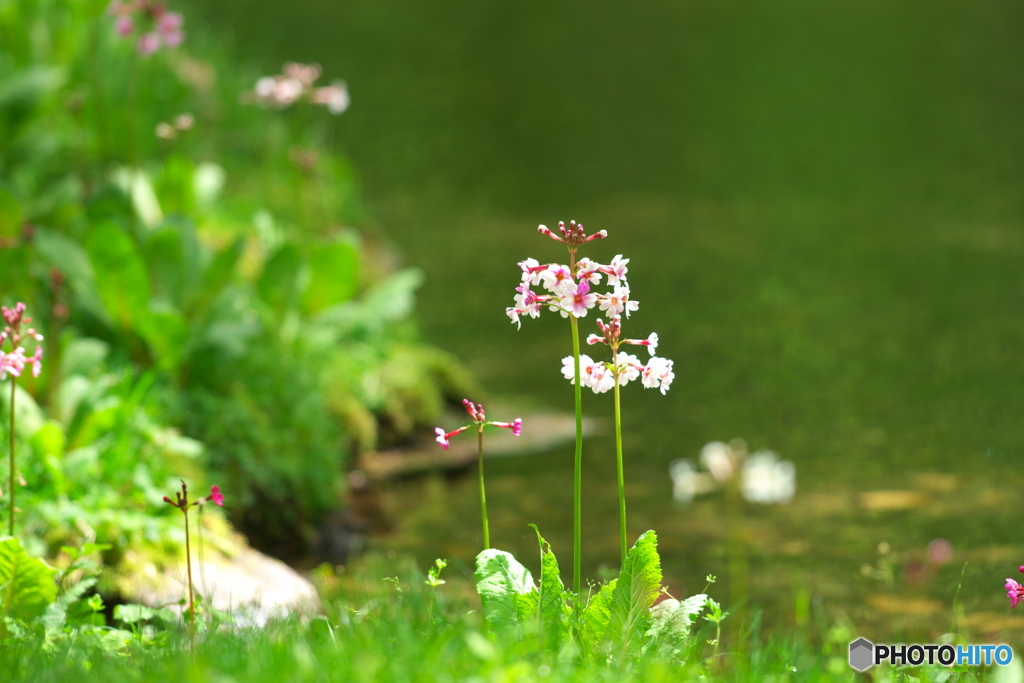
x=596 y=616
x=637 y=588
x=124 y=287
x=60 y=252
x=218 y=275
x=279 y=285
x=165 y=259
x=671 y=621
x=334 y=274
x=26 y=583
x=135 y=614
x=11 y=216
x=553 y=608
x=506 y=590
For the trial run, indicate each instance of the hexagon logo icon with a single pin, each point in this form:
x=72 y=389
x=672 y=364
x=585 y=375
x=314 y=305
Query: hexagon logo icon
x=862 y=654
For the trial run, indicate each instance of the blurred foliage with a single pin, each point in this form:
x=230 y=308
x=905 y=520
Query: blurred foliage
x=189 y=257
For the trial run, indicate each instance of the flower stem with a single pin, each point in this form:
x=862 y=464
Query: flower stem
x=578 y=471
x=618 y=466
x=191 y=600
x=10 y=530
x=483 y=495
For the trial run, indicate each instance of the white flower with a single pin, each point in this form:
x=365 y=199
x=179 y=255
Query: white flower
x=629 y=367
x=687 y=482
x=718 y=458
x=617 y=271
x=766 y=479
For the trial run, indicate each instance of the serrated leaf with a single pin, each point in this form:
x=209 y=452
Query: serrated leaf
x=553 y=609
x=671 y=621
x=637 y=589
x=506 y=590
x=596 y=616
x=26 y=583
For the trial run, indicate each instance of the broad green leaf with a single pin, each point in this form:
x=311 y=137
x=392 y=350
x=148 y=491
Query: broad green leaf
x=280 y=283
x=596 y=616
x=505 y=589
x=637 y=589
x=28 y=416
x=26 y=583
x=334 y=274
x=165 y=259
x=217 y=275
x=165 y=330
x=124 y=286
x=11 y=215
x=84 y=356
x=553 y=609
x=136 y=184
x=61 y=252
x=671 y=621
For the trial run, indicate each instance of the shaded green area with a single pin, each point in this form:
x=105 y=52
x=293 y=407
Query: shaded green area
x=821 y=203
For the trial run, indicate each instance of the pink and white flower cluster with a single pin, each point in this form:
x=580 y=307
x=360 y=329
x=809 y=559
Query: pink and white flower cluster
x=14 y=363
x=570 y=289
x=160 y=28
x=476 y=413
x=295 y=83
x=600 y=375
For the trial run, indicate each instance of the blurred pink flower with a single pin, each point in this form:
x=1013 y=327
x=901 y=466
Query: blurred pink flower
x=216 y=496
x=1014 y=591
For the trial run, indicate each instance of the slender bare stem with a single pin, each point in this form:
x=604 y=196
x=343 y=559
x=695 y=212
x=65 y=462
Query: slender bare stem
x=618 y=465
x=483 y=494
x=10 y=529
x=577 y=526
x=191 y=600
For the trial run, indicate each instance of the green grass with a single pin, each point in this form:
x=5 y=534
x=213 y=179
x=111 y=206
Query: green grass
x=381 y=622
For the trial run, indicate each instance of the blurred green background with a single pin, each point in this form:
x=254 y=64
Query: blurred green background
x=822 y=206
x=821 y=203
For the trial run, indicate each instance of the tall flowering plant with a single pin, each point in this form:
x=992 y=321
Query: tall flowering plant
x=182 y=502
x=12 y=364
x=479 y=421
x=569 y=292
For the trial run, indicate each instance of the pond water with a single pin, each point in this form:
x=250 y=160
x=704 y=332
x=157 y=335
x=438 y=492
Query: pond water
x=823 y=210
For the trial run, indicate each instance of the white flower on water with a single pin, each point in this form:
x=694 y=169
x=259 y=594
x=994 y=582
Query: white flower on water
x=766 y=479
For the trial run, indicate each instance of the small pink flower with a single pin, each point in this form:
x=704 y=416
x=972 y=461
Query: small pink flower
x=616 y=271
x=516 y=426
x=124 y=26
x=169 y=22
x=148 y=44
x=579 y=301
x=558 y=280
x=37 y=361
x=216 y=496
x=1014 y=591
x=443 y=438
x=475 y=411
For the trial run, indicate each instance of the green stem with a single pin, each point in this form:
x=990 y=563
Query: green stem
x=618 y=466
x=191 y=601
x=10 y=530
x=483 y=495
x=578 y=472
